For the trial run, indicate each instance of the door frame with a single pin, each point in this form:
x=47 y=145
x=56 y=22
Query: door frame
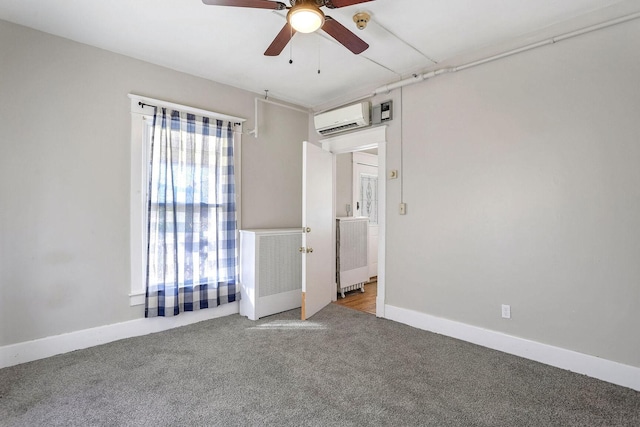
x=366 y=139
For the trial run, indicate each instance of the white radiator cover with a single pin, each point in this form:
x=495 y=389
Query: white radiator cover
x=352 y=261
x=270 y=271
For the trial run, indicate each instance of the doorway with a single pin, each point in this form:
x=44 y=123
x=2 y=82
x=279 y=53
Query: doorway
x=357 y=196
x=350 y=144
x=365 y=200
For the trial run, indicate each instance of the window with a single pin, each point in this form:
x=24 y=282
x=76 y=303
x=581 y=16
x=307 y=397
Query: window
x=178 y=223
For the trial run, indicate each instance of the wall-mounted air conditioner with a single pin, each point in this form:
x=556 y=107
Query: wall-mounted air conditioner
x=344 y=118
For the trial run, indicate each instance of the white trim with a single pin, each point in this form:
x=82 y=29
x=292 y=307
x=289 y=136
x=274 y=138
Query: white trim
x=137 y=211
x=365 y=158
x=137 y=298
x=356 y=141
x=334 y=179
x=382 y=227
x=28 y=351
x=159 y=103
x=595 y=367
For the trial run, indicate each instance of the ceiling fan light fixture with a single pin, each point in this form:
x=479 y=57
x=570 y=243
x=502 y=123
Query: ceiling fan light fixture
x=305 y=18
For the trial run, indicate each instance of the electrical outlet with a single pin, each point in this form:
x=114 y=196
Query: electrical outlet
x=403 y=208
x=506 y=311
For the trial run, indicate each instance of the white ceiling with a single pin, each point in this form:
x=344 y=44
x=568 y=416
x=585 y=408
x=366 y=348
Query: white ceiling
x=226 y=44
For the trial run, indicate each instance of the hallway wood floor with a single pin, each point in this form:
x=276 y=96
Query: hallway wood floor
x=360 y=301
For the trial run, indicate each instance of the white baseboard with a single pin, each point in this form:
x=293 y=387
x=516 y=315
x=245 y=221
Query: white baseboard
x=595 y=367
x=50 y=346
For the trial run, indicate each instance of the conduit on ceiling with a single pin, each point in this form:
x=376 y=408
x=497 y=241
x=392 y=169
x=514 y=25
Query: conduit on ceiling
x=420 y=77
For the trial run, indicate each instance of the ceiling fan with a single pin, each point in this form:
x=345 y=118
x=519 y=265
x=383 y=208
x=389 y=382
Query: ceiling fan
x=304 y=16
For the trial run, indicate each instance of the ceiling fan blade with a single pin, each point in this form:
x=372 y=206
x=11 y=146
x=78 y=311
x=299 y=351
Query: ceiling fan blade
x=345 y=37
x=334 y=4
x=258 y=4
x=281 y=40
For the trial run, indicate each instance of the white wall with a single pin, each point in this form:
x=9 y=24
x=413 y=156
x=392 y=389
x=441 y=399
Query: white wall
x=64 y=176
x=522 y=183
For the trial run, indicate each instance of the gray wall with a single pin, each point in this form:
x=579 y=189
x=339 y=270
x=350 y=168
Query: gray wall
x=344 y=183
x=272 y=169
x=64 y=176
x=521 y=179
x=522 y=183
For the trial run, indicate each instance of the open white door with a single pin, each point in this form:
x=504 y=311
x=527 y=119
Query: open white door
x=318 y=251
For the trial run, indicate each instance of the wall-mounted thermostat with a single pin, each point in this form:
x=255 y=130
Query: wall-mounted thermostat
x=382 y=112
x=385 y=111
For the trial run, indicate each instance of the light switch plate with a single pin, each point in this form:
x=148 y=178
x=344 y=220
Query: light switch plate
x=506 y=311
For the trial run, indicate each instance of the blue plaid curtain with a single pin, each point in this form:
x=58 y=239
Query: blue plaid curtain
x=191 y=255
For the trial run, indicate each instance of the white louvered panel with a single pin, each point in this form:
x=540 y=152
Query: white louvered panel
x=353 y=244
x=280 y=267
x=352 y=253
x=270 y=271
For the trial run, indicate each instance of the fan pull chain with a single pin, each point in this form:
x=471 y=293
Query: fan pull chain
x=291 y=45
x=318 y=44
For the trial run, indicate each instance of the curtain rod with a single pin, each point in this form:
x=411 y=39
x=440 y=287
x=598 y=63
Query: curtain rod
x=155 y=103
x=144 y=104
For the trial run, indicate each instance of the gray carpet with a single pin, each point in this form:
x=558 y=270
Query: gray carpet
x=342 y=368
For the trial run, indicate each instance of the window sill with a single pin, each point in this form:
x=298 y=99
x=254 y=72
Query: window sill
x=136 y=299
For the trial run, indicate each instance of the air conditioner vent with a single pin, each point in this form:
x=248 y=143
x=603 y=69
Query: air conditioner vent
x=338 y=129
